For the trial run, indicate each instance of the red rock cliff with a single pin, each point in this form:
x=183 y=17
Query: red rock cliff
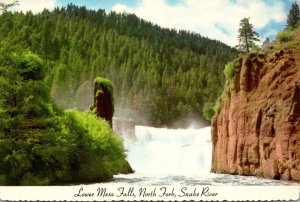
x=257 y=130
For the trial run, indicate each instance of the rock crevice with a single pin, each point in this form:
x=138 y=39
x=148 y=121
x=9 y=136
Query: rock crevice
x=257 y=130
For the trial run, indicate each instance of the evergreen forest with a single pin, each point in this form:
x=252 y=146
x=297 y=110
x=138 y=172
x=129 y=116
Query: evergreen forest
x=159 y=74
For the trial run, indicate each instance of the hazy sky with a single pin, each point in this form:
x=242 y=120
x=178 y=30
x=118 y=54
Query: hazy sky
x=215 y=19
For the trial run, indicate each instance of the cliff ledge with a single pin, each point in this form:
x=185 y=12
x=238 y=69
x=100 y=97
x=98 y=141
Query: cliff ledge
x=257 y=130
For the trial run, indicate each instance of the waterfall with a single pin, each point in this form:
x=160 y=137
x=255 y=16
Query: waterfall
x=170 y=151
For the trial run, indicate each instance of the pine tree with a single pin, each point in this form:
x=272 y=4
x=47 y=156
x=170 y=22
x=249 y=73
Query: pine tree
x=5 y=6
x=293 y=16
x=247 y=35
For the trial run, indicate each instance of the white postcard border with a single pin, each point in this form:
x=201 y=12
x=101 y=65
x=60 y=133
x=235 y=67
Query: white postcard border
x=107 y=192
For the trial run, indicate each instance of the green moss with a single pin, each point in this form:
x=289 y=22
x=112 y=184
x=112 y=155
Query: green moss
x=104 y=82
x=217 y=106
x=229 y=70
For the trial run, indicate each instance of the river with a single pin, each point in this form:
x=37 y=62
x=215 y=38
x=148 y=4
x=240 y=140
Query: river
x=163 y=156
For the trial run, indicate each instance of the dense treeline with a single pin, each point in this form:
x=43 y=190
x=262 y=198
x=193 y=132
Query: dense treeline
x=158 y=73
x=41 y=144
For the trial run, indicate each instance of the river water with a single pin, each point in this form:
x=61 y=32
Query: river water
x=163 y=156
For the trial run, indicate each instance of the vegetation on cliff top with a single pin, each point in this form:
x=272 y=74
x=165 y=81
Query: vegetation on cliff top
x=287 y=38
x=290 y=35
x=41 y=144
x=246 y=37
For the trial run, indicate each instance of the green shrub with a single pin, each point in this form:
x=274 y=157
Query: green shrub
x=40 y=144
x=208 y=111
x=284 y=36
x=99 y=152
x=229 y=70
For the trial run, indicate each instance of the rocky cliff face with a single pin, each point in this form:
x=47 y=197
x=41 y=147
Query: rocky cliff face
x=257 y=130
x=103 y=99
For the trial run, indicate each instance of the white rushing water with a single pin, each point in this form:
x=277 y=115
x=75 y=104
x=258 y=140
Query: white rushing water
x=170 y=151
x=163 y=156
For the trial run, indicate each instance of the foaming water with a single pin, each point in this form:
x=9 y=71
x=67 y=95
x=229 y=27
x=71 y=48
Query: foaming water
x=170 y=151
x=163 y=156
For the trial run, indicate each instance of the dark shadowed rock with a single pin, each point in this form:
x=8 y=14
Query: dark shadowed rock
x=103 y=99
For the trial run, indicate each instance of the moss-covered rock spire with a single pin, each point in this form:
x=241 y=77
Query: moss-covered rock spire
x=103 y=99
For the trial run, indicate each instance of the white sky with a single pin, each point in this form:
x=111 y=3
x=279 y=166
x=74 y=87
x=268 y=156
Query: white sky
x=33 y=5
x=215 y=19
